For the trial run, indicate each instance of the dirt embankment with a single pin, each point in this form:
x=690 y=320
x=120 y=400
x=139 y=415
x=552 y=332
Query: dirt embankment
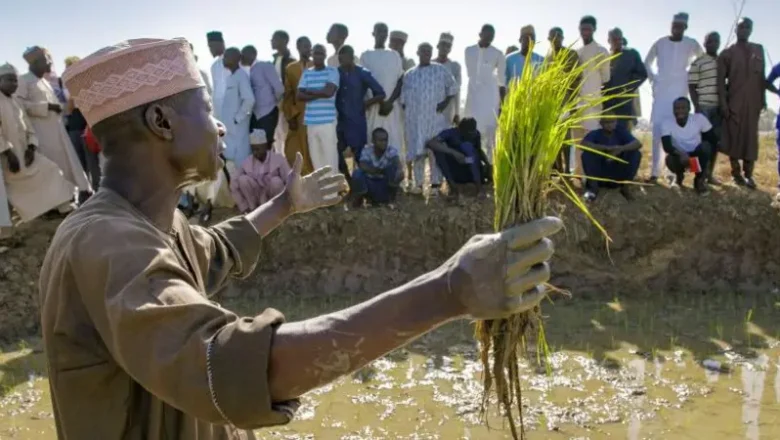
x=663 y=242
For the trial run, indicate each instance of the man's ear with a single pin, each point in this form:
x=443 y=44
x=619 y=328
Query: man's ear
x=158 y=119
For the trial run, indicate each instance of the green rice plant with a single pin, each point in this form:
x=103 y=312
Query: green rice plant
x=537 y=116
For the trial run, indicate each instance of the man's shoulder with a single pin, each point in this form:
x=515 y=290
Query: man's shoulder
x=101 y=224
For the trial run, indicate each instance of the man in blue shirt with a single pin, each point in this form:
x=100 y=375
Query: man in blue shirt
x=378 y=173
x=460 y=157
x=516 y=61
x=317 y=89
x=351 y=103
x=770 y=85
x=606 y=172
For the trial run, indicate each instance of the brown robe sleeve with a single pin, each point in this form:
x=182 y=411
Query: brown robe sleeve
x=161 y=329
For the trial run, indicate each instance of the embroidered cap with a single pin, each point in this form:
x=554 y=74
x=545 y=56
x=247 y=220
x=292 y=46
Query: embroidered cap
x=257 y=137
x=399 y=35
x=8 y=69
x=130 y=74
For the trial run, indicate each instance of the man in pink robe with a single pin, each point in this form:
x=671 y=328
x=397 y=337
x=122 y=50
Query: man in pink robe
x=261 y=176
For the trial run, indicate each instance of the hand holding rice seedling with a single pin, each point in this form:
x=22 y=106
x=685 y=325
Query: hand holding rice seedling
x=538 y=113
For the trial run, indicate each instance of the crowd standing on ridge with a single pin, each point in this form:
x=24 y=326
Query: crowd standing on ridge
x=395 y=116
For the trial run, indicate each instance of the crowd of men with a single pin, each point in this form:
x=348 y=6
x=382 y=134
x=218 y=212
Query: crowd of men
x=393 y=115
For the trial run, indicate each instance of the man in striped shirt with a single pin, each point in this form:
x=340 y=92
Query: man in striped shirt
x=317 y=89
x=703 y=87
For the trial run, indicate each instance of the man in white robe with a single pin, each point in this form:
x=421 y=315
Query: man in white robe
x=234 y=113
x=426 y=92
x=337 y=37
x=387 y=68
x=673 y=55
x=37 y=98
x=452 y=112
x=32 y=183
x=486 y=67
x=219 y=73
x=595 y=75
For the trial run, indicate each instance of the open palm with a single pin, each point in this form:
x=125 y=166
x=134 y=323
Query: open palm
x=316 y=190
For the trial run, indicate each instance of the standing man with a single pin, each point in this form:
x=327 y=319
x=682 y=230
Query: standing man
x=627 y=73
x=293 y=108
x=236 y=109
x=703 y=88
x=397 y=43
x=486 y=68
x=282 y=58
x=234 y=112
x=516 y=61
x=317 y=89
x=595 y=76
x=742 y=93
x=135 y=348
x=674 y=55
x=219 y=74
x=427 y=90
x=560 y=54
x=31 y=183
x=452 y=112
x=352 y=101
x=387 y=67
x=268 y=91
x=770 y=85
x=337 y=37
x=37 y=97
x=248 y=58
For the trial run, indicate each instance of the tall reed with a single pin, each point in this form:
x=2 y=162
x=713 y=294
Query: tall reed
x=537 y=116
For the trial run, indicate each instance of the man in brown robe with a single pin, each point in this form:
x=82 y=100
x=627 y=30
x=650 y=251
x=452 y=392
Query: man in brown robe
x=136 y=350
x=742 y=92
x=293 y=108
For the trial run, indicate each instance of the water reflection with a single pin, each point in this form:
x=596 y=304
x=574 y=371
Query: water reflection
x=753 y=378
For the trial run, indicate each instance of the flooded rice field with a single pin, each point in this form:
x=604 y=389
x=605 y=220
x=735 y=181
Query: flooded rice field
x=696 y=368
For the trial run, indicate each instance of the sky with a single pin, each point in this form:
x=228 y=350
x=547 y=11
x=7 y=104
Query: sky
x=79 y=27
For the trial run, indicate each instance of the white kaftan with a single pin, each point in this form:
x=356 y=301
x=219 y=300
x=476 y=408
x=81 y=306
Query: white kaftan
x=669 y=83
x=35 y=95
x=596 y=74
x=387 y=68
x=38 y=188
x=424 y=87
x=282 y=127
x=333 y=60
x=486 y=67
x=219 y=76
x=235 y=113
x=454 y=106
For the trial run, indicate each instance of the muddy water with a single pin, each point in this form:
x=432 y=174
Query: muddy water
x=636 y=369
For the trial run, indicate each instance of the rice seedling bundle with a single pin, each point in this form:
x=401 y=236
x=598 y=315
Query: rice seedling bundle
x=536 y=118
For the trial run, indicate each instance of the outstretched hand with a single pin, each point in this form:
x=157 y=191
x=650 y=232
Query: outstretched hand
x=497 y=275
x=316 y=190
